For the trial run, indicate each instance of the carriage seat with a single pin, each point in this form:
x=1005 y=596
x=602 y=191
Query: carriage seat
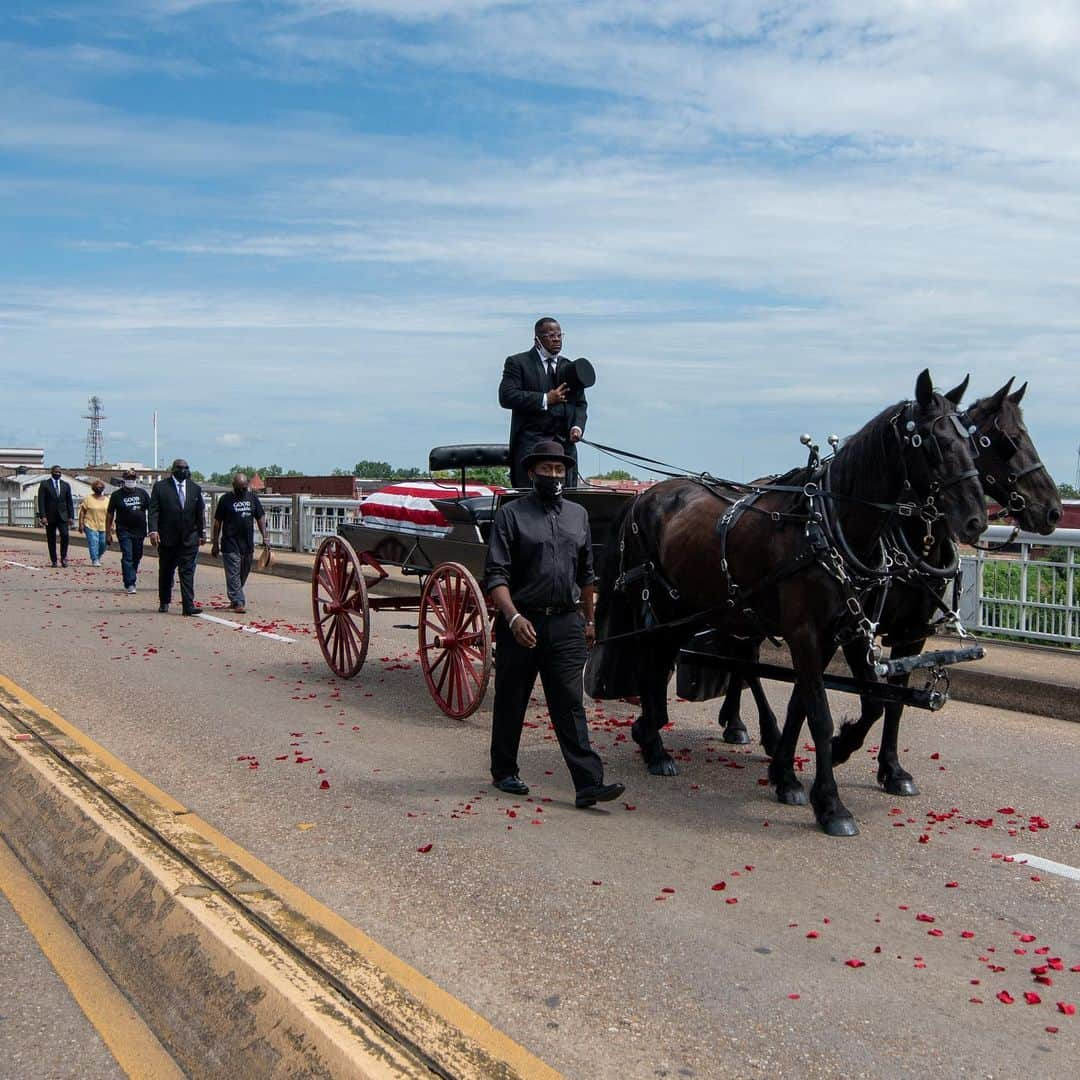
x=469 y=456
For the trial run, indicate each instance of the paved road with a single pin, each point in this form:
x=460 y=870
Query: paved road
x=43 y=1032
x=597 y=938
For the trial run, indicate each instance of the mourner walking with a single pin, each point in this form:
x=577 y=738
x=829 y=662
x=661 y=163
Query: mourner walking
x=56 y=511
x=238 y=512
x=546 y=401
x=93 y=511
x=177 y=529
x=126 y=522
x=539 y=573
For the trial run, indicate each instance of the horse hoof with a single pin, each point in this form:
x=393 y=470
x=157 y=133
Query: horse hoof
x=900 y=786
x=737 y=736
x=663 y=767
x=791 y=796
x=840 y=826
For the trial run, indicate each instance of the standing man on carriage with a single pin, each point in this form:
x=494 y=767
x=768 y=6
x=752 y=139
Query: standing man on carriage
x=539 y=574
x=545 y=401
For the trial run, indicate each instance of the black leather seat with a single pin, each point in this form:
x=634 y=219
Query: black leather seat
x=469 y=456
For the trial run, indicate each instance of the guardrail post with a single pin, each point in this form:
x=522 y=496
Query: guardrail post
x=295 y=523
x=968 y=608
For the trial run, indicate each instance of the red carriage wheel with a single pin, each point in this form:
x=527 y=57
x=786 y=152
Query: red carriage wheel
x=455 y=640
x=340 y=605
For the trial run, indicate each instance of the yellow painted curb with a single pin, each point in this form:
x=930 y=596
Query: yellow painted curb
x=420 y=1015
x=133 y=1045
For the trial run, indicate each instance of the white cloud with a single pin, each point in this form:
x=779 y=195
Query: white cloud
x=230 y=438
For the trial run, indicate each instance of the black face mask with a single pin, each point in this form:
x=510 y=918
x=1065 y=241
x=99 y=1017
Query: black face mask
x=182 y=473
x=549 y=488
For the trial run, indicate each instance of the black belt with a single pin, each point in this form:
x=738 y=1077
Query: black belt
x=549 y=610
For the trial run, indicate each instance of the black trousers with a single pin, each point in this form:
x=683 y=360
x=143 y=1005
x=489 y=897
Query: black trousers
x=51 y=529
x=173 y=558
x=559 y=660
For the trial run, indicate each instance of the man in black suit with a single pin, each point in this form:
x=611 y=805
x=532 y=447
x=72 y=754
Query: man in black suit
x=543 y=404
x=56 y=511
x=177 y=528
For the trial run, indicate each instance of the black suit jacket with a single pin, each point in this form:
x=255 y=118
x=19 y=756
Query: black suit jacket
x=54 y=508
x=524 y=379
x=176 y=527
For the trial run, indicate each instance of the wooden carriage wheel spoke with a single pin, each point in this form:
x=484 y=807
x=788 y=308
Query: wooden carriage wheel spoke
x=455 y=640
x=340 y=607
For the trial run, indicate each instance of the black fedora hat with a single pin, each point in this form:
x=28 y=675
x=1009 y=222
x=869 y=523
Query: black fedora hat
x=580 y=374
x=548 y=450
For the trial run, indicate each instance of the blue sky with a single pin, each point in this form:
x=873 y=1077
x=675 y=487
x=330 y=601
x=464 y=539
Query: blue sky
x=309 y=231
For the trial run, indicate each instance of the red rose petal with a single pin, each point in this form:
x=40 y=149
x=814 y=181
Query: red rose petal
x=923 y=917
x=720 y=886
x=1067 y=1008
x=936 y=933
x=731 y=900
x=1032 y=998
x=854 y=963
x=966 y=934
x=1051 y=1030
x=667 y=890
x=324 y=785
x=425 y=849
x=813 y=934
x=1005 y=997
x=952 y=884
x=1027 y=938
x=598 y=883
x=793 y=997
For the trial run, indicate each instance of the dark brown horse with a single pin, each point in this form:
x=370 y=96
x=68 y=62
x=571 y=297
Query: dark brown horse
x=1013 y=474
x=685 y=557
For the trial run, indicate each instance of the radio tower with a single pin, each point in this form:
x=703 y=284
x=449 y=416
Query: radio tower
x=95 y=440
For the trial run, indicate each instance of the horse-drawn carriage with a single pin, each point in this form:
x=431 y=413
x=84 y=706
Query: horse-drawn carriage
x=454 y=631
x=697 y=572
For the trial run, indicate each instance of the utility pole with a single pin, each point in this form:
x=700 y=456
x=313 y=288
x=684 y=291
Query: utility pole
x=95 y=440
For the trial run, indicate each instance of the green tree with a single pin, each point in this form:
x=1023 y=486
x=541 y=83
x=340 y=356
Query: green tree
x=1068 y=491
x=493 y=475
x=373 y=470
x=615 y=474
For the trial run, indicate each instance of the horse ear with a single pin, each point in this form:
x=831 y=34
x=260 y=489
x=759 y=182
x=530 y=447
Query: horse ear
x=1018 y=396
x=924 y=388
x=956 y=394
x=995 y=402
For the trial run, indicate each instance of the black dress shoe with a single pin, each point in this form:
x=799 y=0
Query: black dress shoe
x=193 y=611
x=594 y=793
x=63 y=562
x=163 y=609
x=512 y=785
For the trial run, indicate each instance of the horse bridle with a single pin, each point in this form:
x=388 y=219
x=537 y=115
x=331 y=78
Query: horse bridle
x=1006 y=448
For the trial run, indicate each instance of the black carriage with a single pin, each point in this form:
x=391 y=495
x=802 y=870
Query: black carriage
x=454 y=625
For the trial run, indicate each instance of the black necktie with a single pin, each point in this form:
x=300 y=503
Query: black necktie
x=551 y=372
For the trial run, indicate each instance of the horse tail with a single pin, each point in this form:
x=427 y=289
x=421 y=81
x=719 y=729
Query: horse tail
x=612 y=668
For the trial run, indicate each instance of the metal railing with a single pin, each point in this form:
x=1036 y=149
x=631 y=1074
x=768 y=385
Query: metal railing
x=293 y=522
x=1028 y=590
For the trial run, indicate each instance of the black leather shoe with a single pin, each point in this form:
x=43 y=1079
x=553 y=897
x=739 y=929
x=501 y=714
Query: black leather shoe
x=594 y=793
x=512 y=785
x=163 y=609
x=193 y=611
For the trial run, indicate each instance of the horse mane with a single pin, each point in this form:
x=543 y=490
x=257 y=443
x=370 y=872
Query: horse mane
x=867 y=460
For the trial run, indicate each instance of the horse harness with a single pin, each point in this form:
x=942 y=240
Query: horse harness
x=864 y=587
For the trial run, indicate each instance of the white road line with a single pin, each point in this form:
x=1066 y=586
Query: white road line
x=247 y=629
x=1049 y=866
x=11 y=562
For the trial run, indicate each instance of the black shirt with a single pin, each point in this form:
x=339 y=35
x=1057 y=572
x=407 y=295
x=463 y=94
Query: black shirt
x=543 y=552
x=128 y=507
x=237 y=514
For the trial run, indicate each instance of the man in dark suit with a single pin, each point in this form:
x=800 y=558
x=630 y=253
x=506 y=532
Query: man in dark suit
x=177 y=528
x=56 y=511
x=543 y=403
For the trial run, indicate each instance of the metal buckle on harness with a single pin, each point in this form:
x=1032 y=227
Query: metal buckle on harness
x=811 y=490
x=775 y=516
x=905 y=510
x=854 y=606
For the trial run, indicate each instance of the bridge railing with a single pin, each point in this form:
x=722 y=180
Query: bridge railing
x=293 y=522
x=1029 y=590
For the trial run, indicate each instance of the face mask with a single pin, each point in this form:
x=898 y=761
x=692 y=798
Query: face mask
x=129 y=483
x=182 y=473
x=549 y=488
x=56 y=475
x=98 y=491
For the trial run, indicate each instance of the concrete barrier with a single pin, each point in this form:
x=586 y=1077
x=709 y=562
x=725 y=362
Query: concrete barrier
x=236 y=971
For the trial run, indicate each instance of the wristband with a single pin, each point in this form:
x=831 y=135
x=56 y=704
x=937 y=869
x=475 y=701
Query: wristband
x=516 y=616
